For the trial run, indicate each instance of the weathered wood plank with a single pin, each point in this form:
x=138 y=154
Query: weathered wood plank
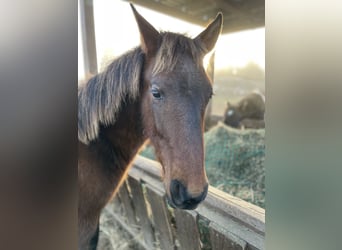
x=117 y=206
x=147 y=171
x=161 y=218
x=251 y=215
x=126 y=201
x=221 y=239
x=234 y=226
x=141 y=212
x=186 y=230
x=249 y=247
x=203 y=228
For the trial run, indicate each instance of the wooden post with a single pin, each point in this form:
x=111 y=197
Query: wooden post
x=161 y=218
x=126 y=200
x=141 y=212
x=223 y=240
x=187 y=231
x=88 y=36
x=210 y=73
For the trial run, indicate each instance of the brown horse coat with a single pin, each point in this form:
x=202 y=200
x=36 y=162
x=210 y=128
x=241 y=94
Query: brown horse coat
x=157 y=91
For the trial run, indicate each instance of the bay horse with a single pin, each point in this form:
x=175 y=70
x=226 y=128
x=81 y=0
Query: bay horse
x=157 y=91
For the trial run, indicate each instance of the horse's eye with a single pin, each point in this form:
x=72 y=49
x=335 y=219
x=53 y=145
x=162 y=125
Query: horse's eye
x=156 y=94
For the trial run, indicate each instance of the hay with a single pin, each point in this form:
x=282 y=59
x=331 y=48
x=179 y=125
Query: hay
x=112 y=236
x=234 y=161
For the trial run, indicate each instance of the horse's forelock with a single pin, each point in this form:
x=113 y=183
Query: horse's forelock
x=173 y=48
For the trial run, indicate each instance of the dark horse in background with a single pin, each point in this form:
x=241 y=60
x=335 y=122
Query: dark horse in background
x=246 y=113
x=157 y=91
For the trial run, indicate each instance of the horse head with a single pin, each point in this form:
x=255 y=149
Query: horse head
x=176 y=91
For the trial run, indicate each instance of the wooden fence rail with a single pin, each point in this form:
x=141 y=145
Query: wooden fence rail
x=220 y=222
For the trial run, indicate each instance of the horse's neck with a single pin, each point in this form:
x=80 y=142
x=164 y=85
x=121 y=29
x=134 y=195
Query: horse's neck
x=106 y=160
x=126 y=135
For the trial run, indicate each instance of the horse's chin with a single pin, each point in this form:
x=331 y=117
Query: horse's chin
x=185 y=207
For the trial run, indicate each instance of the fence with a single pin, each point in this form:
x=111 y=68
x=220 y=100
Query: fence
x=220 y=222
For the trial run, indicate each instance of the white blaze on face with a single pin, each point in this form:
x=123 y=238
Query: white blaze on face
x=230 y=112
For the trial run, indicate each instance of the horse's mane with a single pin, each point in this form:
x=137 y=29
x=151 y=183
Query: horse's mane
x=100 y=99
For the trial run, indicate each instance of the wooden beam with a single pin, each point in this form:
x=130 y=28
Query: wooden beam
x=237 y=16
x=88 y=36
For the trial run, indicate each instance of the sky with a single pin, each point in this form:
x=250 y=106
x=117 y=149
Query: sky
x=116 y=32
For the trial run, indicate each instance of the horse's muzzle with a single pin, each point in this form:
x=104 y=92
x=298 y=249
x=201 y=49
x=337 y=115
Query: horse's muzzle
x=180 y=197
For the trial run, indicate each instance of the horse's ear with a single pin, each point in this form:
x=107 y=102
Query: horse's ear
x=209 y=36
x=149 y=36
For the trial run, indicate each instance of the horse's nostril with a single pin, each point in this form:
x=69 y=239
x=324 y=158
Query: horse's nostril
x=178 y=192
x=182 y=199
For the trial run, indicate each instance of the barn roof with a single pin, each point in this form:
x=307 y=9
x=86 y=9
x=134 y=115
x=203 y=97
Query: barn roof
x=238 y=14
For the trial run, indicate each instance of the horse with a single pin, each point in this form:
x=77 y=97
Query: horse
x=247 y=112
x=158 y=91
